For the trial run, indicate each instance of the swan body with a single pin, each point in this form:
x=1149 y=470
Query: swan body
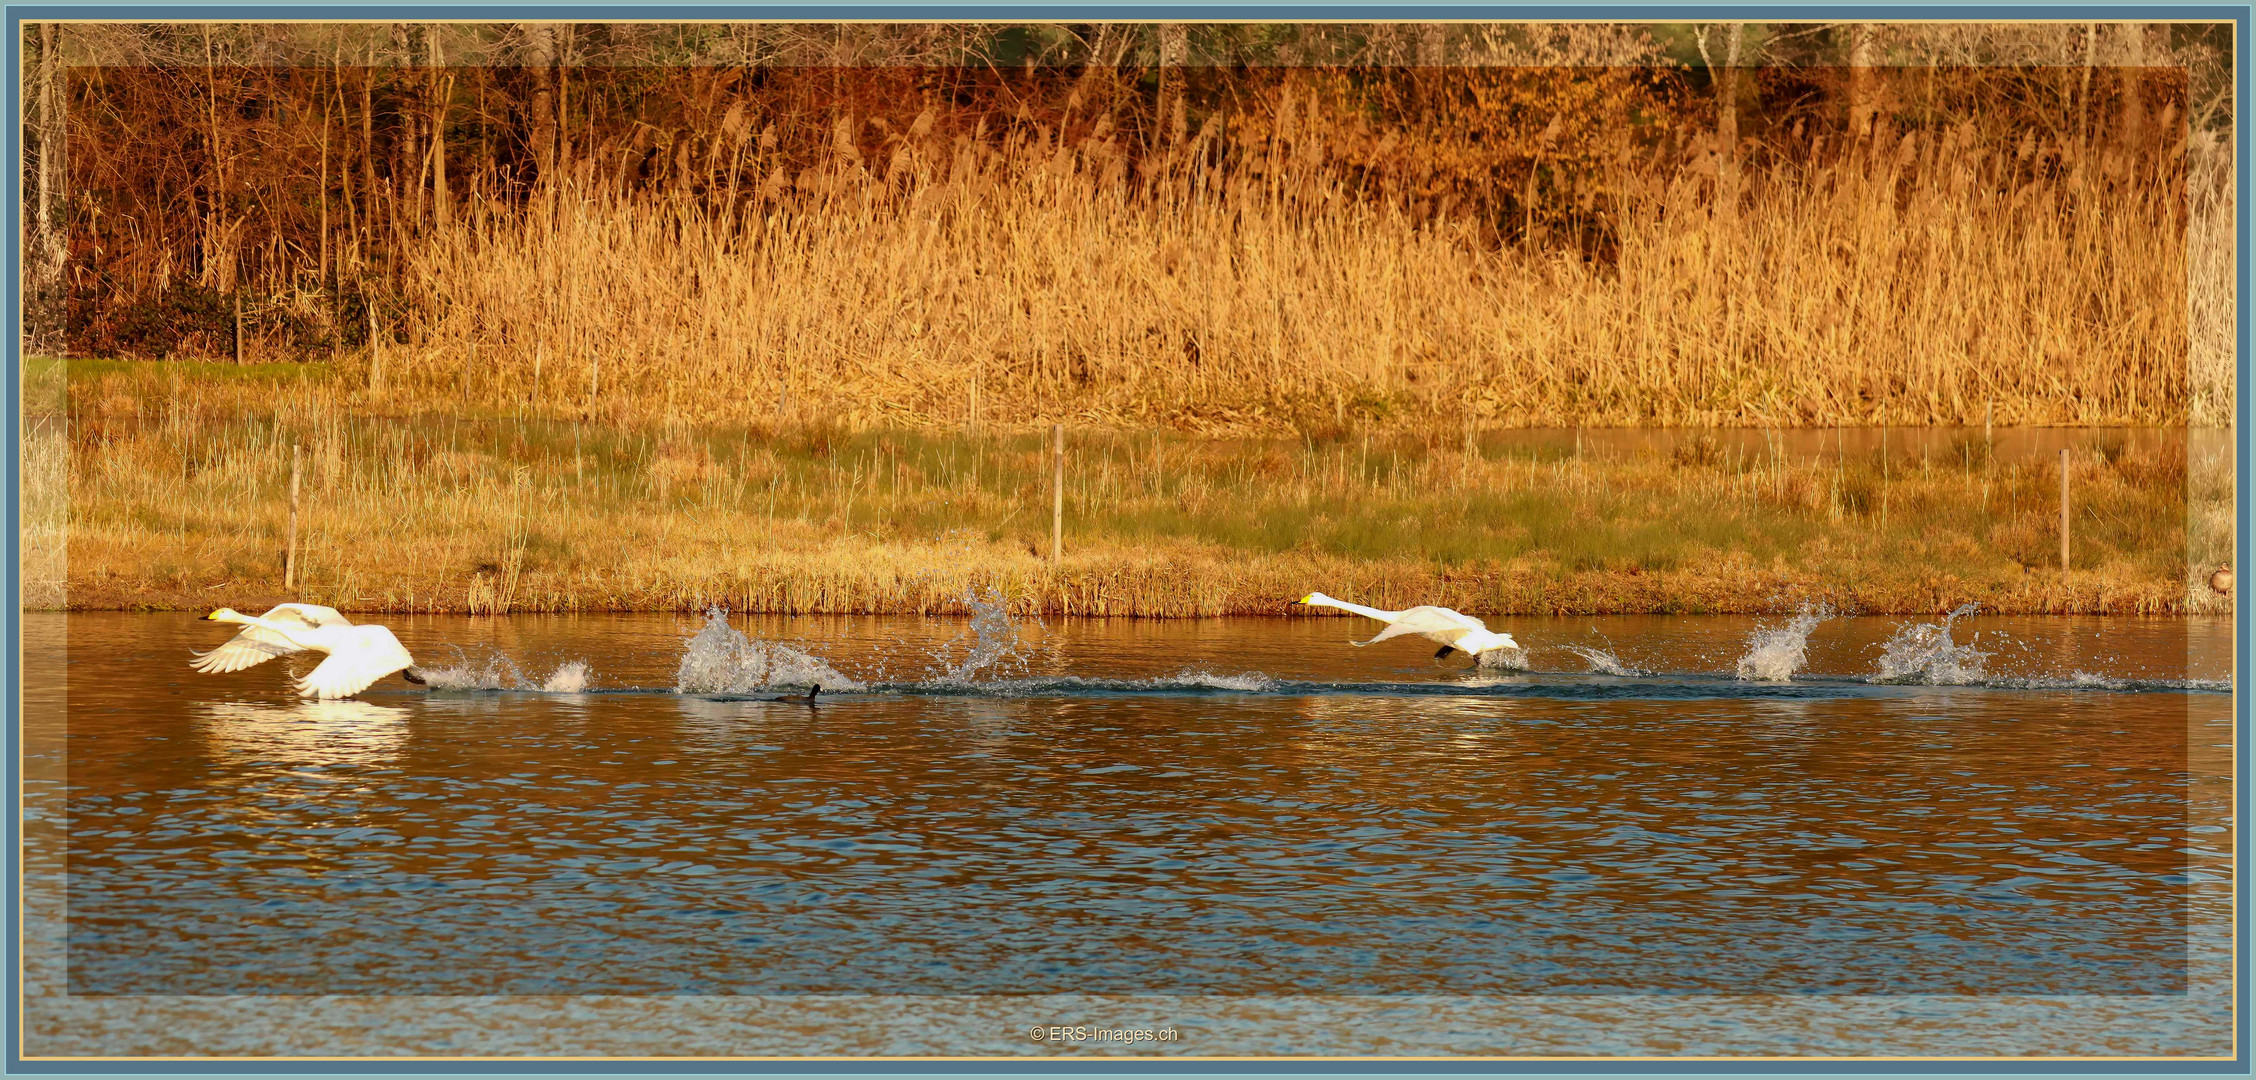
x=1452 y=630
x=358 y=655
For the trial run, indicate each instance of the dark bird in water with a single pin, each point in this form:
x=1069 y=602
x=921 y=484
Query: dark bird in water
x=809 y=699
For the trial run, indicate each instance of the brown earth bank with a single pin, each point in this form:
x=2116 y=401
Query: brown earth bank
x=1168 y=590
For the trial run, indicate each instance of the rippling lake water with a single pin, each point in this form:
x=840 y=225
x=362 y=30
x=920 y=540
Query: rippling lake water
x=1185 y=815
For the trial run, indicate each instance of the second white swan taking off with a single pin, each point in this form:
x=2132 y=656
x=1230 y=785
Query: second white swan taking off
x=358 y=655
x=1454 y=631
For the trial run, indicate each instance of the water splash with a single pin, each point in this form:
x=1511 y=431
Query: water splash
x=1250 y=682
x=721 y=660
x=499 y=672
x=1508 y=659
x=1602 y=661
x=570 y=677
x=494 y=673
x=1775 y=653
x=1925 y=653
x=994 y=644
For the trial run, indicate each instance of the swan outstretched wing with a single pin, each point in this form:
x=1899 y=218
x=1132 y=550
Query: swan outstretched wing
x=1436 y=624
x=311 y=615
x=368 y=655
x=253 y=646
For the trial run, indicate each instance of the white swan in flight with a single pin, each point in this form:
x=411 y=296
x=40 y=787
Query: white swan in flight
x=1454 y=631
x=358 y=655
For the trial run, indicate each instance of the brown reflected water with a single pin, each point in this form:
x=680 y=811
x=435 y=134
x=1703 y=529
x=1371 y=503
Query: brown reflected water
x=1202 y=807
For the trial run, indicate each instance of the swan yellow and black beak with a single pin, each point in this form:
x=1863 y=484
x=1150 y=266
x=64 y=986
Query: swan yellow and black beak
x=1305 y=599
x=214 y=616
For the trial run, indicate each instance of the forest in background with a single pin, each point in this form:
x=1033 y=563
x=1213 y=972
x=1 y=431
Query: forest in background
x=1264 y=228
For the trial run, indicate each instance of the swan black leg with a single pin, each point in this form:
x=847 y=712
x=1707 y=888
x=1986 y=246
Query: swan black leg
x=1444 y=651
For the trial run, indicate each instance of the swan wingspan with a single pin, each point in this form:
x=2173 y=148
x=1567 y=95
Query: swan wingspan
x=313 y=616
x=253 y=646
x=368 y=654
x=357 y=655
x=1447 y=627
x=1439 y=625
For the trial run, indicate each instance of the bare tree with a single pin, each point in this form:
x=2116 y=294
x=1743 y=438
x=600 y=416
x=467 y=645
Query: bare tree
x=1433 y=45
x=2130 y=63
x=540 y=67
x=442 y=88
x=1174 y=52
x=1727 y=111
x=50 y=246
x=1862 y=108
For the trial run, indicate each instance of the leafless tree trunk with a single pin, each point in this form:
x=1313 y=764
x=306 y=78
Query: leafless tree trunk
x=50 y=245
x=1862 y=108
x=442 y=87
x=2131 y=65
x=218 y=267
x=1433 y=45
x=1727 y=120
x=323 y=268
x=563 y=42
x=368 y=153
x=540 y=65
x=1105 y=49
x=2083 y=104
x=1174 y=52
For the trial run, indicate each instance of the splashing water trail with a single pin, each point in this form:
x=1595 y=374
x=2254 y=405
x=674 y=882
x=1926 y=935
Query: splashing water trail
x=1602 y=661
x=722 y=660
x=501 y=673
x=1925 y=653
x=1248 y=682
x=496 y=673
x=1775 y=653
x=570 y=677
x=994 y=641
x=1507 y=659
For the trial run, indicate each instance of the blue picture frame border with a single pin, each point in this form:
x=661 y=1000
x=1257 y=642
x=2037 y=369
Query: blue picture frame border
x=11 y=149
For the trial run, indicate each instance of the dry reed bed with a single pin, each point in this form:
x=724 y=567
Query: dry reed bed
x=1929 y=280
x=177 y=498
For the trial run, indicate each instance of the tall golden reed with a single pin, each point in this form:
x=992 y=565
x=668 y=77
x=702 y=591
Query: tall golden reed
x=1914 y=280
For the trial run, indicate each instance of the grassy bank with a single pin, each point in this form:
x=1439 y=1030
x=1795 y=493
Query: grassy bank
x=177 y=485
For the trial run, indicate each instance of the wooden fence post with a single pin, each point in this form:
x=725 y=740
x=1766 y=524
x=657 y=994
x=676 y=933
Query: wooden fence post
x=2064 y=512
x=238 y=328
x=290 y=554
x=1057 y=498
x=375 y=351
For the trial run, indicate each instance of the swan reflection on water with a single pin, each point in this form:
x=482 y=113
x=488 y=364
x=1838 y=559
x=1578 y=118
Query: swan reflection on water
x=333 y=731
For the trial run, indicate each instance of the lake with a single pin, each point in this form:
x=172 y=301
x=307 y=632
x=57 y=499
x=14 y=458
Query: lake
x=989 y=825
